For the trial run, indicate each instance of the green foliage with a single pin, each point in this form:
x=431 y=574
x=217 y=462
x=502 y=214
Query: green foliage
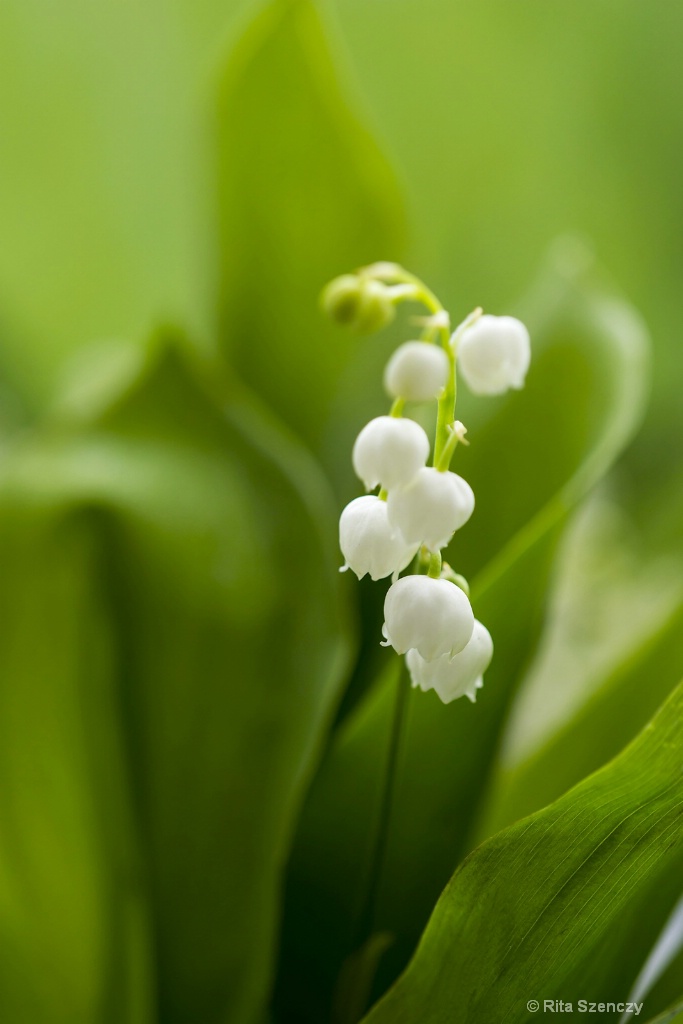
x=173 y=644
x=220 y=697
x=533 y=908
x=70 y=889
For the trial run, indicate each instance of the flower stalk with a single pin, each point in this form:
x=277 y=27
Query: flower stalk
x=419 y=507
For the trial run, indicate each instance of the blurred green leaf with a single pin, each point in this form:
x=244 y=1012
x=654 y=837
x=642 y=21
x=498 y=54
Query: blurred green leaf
x=661 y=977
x=304 y=195
x=532 y=456
x=72 y=911
x=622 y=704
x=215 y=530
x=530 y=909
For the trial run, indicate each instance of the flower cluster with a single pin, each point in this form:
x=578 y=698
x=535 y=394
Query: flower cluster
x=419 y=507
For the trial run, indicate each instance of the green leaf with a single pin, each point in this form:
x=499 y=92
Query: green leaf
x=73 y=922
x=530 y=911
x=605 y=723
x=230 y=644
x=674 y=1013
x=612 y=715
x=581 y=401
x=304 y=195
x=670 y=1015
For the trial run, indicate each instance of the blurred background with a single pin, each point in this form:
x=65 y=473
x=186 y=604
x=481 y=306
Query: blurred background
x=160 y=164
x=506 y=127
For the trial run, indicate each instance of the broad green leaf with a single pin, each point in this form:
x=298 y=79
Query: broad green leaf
x=304 y=195
x=531 y=911
x=580 y=404
x=609 y=720
x=73 y=924
x=618 y=708
x=214 y=530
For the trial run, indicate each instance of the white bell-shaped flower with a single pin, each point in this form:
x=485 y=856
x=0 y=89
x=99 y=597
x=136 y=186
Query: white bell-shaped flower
x=417 y=371
x=389 y=451
x=369 y=543
x=431 y=507
x=416 y=663
x=433 y=616
x=457 y=676
x=494 y=355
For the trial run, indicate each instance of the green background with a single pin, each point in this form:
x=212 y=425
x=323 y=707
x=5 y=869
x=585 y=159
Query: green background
x=193 y=708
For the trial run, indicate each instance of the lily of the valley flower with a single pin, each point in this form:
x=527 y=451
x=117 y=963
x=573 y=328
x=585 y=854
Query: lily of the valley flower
x=494 y=355
x=457 y=676
x=369 y=543
x=389 y=451
x=417 y=372
x=431 y=507
x=428 y=617
x=433 y=616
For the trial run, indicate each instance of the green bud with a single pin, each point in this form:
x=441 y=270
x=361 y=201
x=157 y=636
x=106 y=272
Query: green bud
x=447 y=573
x=342 y=299
x=358 y=302
x=376 y=308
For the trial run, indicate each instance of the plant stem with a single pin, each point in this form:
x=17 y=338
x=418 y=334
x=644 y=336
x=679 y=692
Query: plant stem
x=445 y=414
x=434 y=569
x=367 y=915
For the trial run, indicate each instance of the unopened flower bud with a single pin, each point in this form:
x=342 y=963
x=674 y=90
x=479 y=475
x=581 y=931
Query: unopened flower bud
x=457 y=676
x=376 y=309
x=494 y=355
x=431 y=507
x=368 y=542
x=433 y=616
x=389 y=451
x=341 y=298
x=358 y=302
x=448 y=573
x=417 y=371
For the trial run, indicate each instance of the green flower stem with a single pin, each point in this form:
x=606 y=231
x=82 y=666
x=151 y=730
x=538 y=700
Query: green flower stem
x=446 y=438
x=434 y=569
x=407 y=287
x=392 y=273
x=446 y=416
x=444 y=459
x=444 y=446
x=356 y=975
x=366 y=919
